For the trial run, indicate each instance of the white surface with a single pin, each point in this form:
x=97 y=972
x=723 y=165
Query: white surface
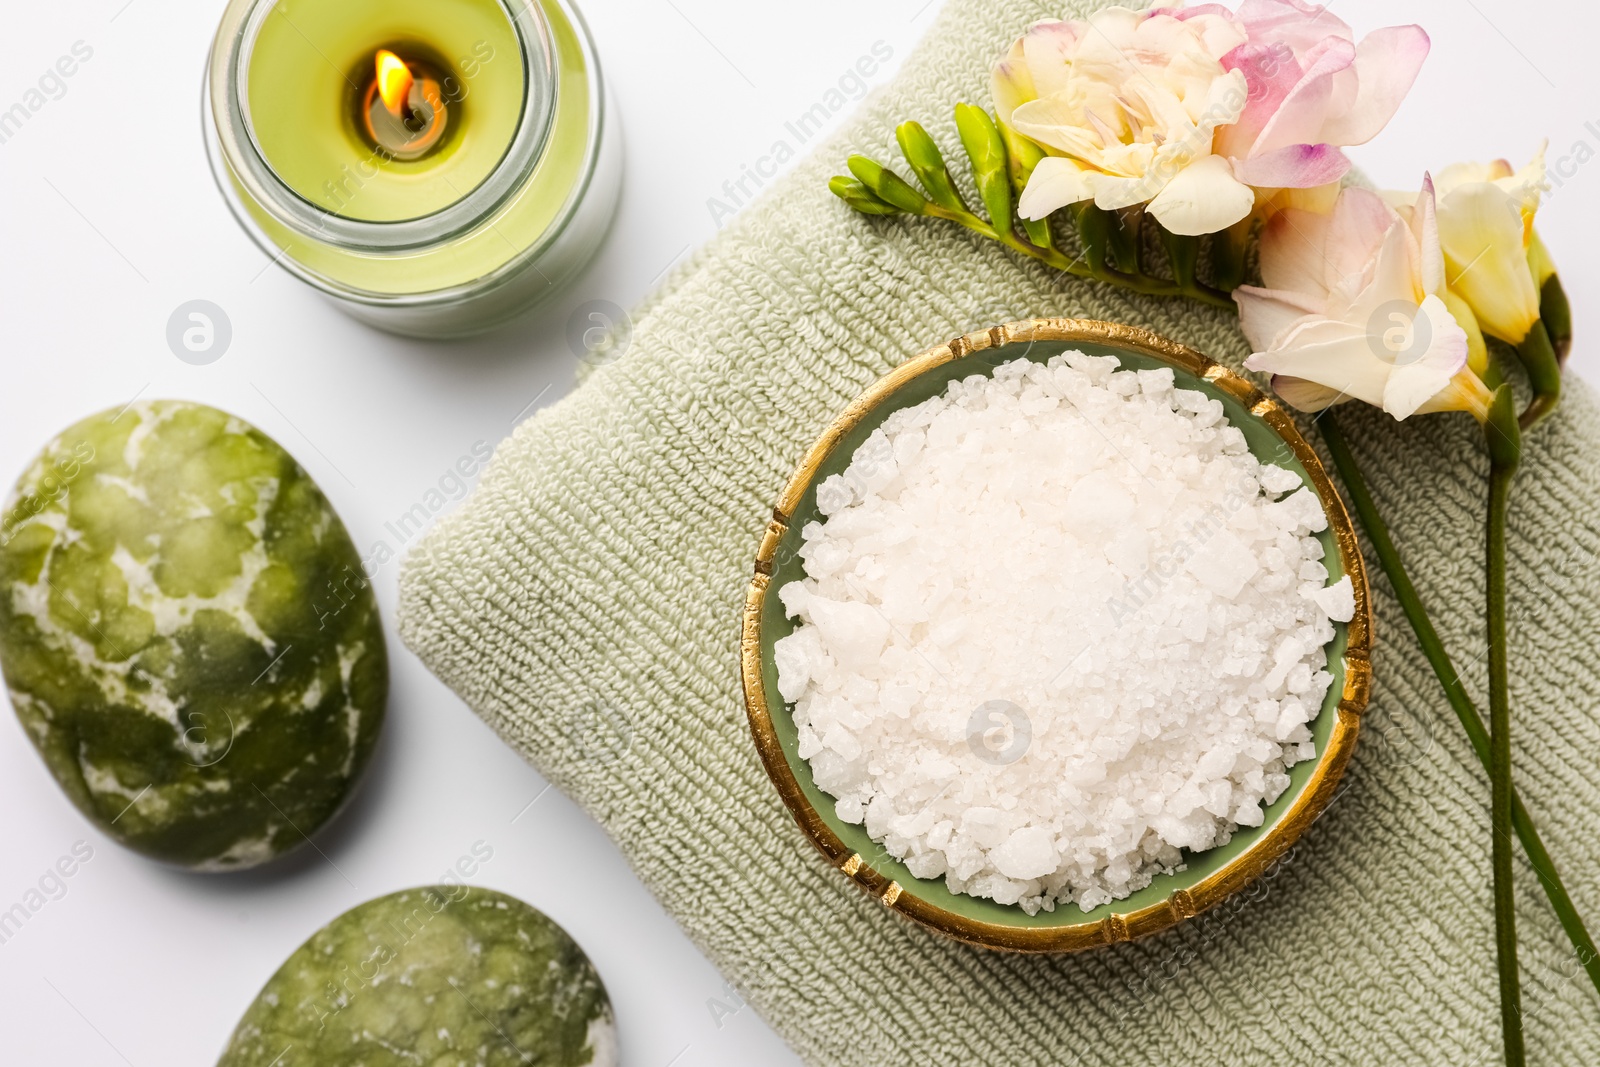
x=110 y=221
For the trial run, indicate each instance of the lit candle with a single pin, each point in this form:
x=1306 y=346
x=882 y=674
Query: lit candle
x=403 y=111
x=437 y=166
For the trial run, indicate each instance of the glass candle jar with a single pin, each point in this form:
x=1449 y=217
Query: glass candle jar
x=436 y=167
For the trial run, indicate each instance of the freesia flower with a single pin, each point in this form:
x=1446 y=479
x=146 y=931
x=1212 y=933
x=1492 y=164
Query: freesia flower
x=1486 y=214
x=1312 y=90
x=1194 y=109
x=1127 y=103
x=1355 y=308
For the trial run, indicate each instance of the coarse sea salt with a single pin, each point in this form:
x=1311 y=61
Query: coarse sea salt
x=1057 y=625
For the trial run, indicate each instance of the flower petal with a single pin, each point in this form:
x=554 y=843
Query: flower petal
x=1456 y=175
x=1481 y=231
x=1387 y=63
x=1306 y=396
x=1461 y=311
x=1295 y=23
x=1220 y=31
x=1316 y=252
x=1303 y=115
x=1113 y=193
x=1055 y=183
x=1265 y=315
x=1331 y=353
x=1319 y=200
x=1417 y=379
x=1011 y=84
x=1425 y=229
x=1203 y=198
x=1391 y=278
x=1294 y=252
x=1466 y=392
x=1047 y=50
x=1300 y=166
x=1269 y=77
x=1055 y=123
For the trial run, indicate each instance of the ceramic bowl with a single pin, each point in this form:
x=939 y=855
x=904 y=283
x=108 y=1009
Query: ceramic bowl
x=1208 y=877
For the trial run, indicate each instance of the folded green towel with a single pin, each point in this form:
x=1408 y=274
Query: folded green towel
x=586 y=601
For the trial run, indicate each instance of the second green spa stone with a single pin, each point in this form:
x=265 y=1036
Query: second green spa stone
x=187 y=635
x=447 y=975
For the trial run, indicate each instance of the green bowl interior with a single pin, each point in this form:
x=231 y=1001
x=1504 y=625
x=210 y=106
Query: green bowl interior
x=1264 y=443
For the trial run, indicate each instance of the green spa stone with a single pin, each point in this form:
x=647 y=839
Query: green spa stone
x=187 y=635
x=448 y=976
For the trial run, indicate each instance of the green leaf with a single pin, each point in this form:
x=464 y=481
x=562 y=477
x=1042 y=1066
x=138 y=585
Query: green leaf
x=1094 y=232
x=1123 y=238
x=1184 y=252
x=888 y=186
x=1229 y=251
x=927 y=162
x=981 y=138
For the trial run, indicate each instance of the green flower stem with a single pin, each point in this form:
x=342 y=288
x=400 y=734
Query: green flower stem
x=1054 y=257
x=1002 y=163
x=1139 y=283
x=1505 y=455
x=1539 y=359
x=1455 y=692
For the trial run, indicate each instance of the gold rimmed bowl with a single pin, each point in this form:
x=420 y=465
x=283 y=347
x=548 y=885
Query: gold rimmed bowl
x=1208 y=877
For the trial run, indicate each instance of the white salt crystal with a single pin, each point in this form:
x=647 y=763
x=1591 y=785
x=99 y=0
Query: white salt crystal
x=1313 y=571
x=1097 y=507
x=1124 y=383
x=1027 y=853
x=1155 y=382
x=1275 y=479
x=854 y=633
x=1045 y=641
x=833 y=494
x=1306 y=509
x=1338 y=600
x=1224 y=564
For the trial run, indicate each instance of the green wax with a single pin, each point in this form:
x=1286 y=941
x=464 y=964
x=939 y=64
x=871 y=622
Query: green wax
x=517 y=225
x=311 y=63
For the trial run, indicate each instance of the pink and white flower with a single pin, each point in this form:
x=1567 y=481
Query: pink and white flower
x=1355 y=307
x=1312 y=90
x=1192 y=110
x=1127 y=104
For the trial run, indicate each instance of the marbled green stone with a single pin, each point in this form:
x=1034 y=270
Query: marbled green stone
x=447 y=976
x=187 y=635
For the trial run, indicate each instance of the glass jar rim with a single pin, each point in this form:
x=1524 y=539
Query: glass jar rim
x=228 y=99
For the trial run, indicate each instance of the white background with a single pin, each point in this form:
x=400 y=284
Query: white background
x=109 y=220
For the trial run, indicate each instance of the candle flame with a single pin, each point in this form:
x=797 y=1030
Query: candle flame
x=394 y=82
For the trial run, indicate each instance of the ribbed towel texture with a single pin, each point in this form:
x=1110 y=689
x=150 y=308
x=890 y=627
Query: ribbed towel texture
x=585 y=602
